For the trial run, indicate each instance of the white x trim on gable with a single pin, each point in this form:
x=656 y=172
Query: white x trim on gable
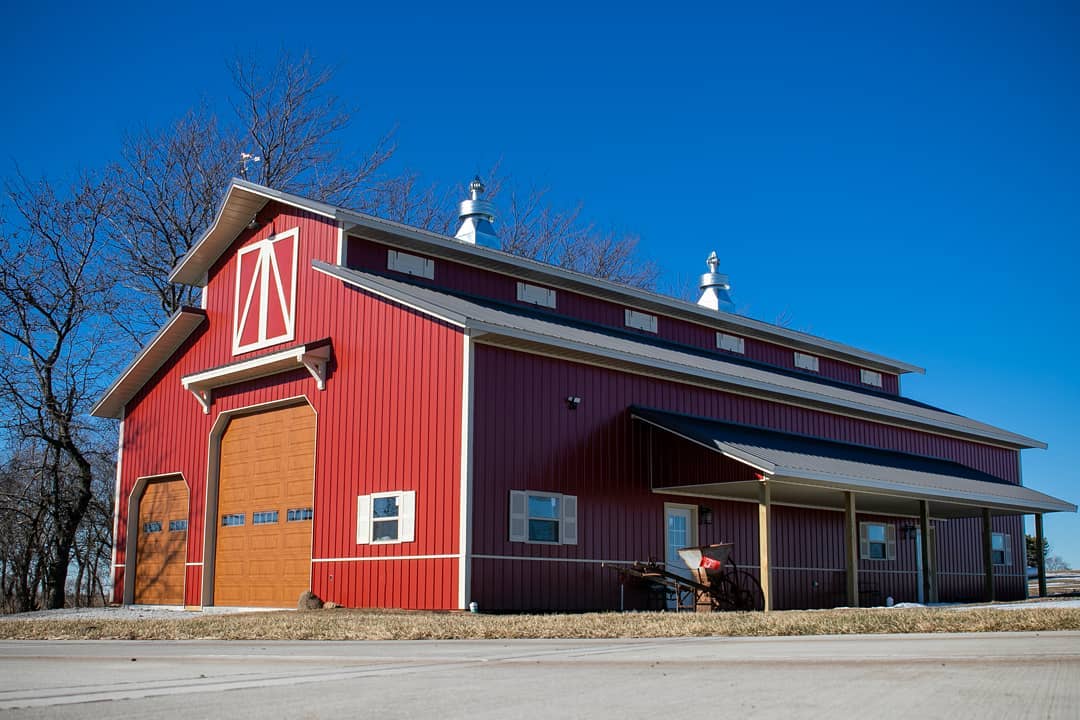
x=264 y=310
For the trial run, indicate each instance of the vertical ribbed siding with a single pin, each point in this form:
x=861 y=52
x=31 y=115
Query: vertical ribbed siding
x=369 y=255
x=525 y=438
x=389 y=419
x=960 y=560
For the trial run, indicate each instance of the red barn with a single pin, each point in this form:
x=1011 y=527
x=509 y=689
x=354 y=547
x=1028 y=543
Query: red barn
x=395 y=418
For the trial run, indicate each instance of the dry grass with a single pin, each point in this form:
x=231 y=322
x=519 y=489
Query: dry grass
x=400 y=625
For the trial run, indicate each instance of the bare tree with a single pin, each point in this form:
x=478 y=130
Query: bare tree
x=167 y=187
x=292 y=123
x=405 y=200
x=23 y=539
x=534 y=228
x=55 y=291
x=170 y=181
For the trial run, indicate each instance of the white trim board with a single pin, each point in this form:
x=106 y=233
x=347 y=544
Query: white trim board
x=265 y=271
x=312 y=357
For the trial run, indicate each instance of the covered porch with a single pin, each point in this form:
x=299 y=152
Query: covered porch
x=706 y=459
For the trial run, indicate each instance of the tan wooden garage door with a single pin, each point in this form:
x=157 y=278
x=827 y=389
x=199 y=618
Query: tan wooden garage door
x=265 y=488
x=161 y=543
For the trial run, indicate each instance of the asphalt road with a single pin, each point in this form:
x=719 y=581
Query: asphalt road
x=1006 y=675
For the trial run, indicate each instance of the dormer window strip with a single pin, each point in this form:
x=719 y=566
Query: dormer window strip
x=804 y=361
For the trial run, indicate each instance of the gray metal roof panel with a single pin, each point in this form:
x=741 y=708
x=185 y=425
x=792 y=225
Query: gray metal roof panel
x=552 y=332
x=834 y=464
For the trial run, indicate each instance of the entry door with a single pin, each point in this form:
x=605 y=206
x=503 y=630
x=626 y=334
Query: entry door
x=680 y=530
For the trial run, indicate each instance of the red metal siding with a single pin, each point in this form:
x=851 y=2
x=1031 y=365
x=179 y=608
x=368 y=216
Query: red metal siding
x=370 y=255
x=389 y=419
x=960 y=560
x=525 y=438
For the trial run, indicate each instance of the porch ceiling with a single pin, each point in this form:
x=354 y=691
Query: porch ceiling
x=811 y=471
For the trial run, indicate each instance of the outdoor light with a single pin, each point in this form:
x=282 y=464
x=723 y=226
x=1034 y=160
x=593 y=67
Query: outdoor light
x=572 y=402
x=704 y=515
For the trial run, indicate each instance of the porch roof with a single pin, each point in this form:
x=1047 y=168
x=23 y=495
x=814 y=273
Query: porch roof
x=814 y=471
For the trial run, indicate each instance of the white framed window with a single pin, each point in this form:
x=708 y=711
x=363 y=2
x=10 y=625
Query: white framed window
x=154 y=526
x=543 y=517
x=870 y=377
x=1001 y=549
x=640 y=321
x=806 y=362
x=535 y=295
x=387 y=517
x=177 y=525
x=410 y=264
x=232 y=520
x=877 y=541
x=731 y=343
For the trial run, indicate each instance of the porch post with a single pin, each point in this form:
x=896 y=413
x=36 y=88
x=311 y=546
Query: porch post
x=851 y=536
x=1040 y=557
x=764 y=544
x=924 y=524
x=988 y=556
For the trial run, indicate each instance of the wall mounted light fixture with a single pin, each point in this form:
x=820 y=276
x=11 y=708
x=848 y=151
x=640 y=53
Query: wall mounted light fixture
x=572 y=402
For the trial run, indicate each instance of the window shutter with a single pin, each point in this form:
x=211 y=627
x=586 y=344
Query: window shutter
x=518 y=519
x=407 y=517
x=1008 y=550
x=569 y=520
x=890 y=542
x=363 y=520
x=864 y=541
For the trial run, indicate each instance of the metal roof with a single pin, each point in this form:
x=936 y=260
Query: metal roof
x=149 y=360
x=526 y=331
x=243 y=200
x=841 y=466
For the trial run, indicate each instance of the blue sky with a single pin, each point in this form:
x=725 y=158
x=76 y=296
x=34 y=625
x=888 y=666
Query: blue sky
x=902 y=178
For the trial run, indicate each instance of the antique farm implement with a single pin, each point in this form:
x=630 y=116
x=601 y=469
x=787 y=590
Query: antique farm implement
x=714 y=581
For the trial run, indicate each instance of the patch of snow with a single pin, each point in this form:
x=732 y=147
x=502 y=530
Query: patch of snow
x=129 y=612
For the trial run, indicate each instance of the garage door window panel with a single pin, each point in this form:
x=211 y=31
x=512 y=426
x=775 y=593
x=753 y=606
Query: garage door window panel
x=265 y=517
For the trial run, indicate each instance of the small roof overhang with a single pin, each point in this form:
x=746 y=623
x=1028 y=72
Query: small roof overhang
x=149 y=360
x=313 y=357
x=811 y=471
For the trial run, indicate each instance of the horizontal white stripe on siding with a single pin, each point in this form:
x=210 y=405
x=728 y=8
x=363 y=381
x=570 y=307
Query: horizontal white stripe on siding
x=387 y=557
